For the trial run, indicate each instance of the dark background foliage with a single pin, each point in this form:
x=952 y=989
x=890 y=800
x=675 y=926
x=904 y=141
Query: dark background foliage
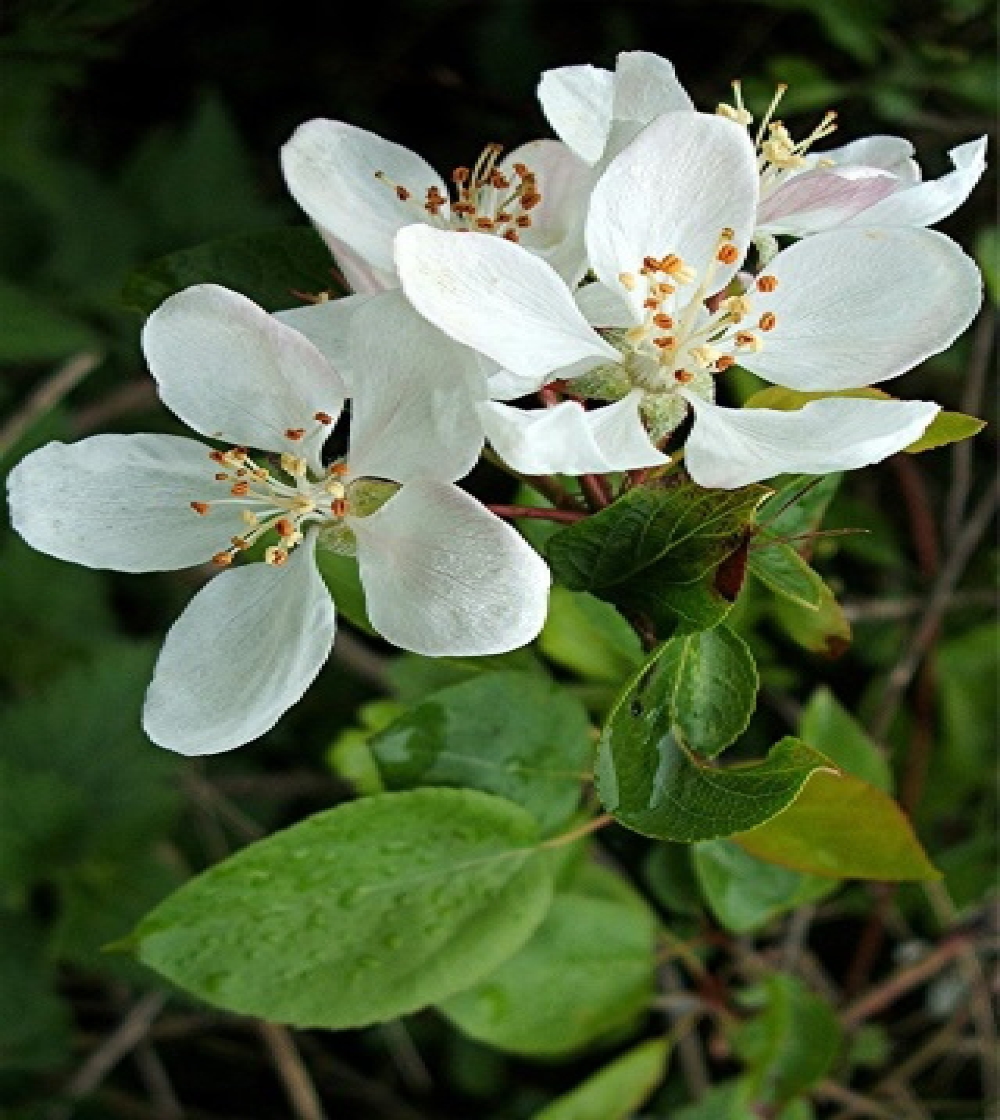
x=129 y=130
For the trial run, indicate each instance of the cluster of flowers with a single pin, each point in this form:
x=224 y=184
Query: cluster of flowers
x=629 y=263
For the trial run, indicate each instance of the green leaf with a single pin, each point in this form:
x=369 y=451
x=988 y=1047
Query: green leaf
x=656 y=550
x=350 y=757
x=779 y=567
x=829 y=727
x=799 y=504
x=709 y=681
x=946 y=427
x=268 y=267
x=589 y=637
x=791 y=400
x=988 y=255
x=594 y=959
x=823 y=630
x=340 y=574
x=652 y=784
x=517 y=735
x=967 y=667
x=617 y=1090
x=359 y=914
x=98 y=789
x=743 y=892
x=842 y=827
x=35 y=331
x=34 y=1026
x=791 y=1045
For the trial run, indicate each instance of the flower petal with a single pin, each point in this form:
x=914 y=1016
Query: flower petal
x=603 y=306
x=326 y=325
x=569 y=439
x=731 y=447
x=854 y=307
x=818 y=200
x=123 y=502
x=444 y=577
x=577 y=101
x=244 y=651
x=496 y=297
x=925 y=204
x=330 y=169
x=362 y=277
x=564 y=182
x=646 y=86
x=889 y=153
x=231 y=371
x=684 y=179
x=413 y=396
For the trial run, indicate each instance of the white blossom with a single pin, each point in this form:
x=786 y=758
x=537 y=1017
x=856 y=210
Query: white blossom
x=873 y=181
x=360 y=189
x=441 y=574
x=668 y=227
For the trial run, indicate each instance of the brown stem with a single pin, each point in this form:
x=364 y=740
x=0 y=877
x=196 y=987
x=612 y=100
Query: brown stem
x=595 y=491
x=566 y=515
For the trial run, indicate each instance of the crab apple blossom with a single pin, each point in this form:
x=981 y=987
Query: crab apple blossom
x=441 y=574
x=668 y=227
x=360 y=189
x=871 y=181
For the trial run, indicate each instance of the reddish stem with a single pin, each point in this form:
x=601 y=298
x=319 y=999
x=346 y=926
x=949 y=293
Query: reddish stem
x=595 y=490
x=567 y=515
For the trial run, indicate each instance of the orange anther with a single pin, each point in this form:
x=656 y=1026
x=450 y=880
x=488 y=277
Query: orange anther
x=530 y=200
x=338 y=468
x=295 y=433
x=651 y=263
x=663 y=321
x=323 y=417
x=239 y=489
x=724 y=362
x=200 y=508
x=285 y=526
x=665 y=342
x=728 y=254
x=767 y=283
x=222 y=559
x=338 y=507
x=511 y=235
x=484 y=223
x=524 y=221
x=768 y=321
x=460 y=175
x=683 y=376
x=222 y=477
x=402 y=194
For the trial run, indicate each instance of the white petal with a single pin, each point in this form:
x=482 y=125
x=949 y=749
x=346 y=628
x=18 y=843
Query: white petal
x=502 y=385
x=603 y=306
x=413 y=396
x=646 y=86
x=564 y=181
x=927 y=203
x=577 y=101
x=498 y=298
x=890 y=153
x=444 y=577
x=243 y=652
x=674 y=189
x=730 y=447
x=569 y=439
x=231 y=371
x=330 y=169
x=818 y=200
x=855 y=307
x=359 y=274
x=123 y=502
x=326 y=327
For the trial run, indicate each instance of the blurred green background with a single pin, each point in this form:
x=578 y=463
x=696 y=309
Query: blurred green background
x=129 y=130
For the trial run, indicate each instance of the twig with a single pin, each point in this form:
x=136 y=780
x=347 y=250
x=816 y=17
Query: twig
x=595 y=491
x=124 y=1038
x=409 y=1062
x=365 y=663
x=961 y=455
x=157 y=1082
x=937 y=603
x=134 y=396
x=542 y=514
x=903 y=981
x=550 y=488
x=301 y=1091
x=46 y=396
x=694 y=1068
x=856 y=1103
x=891 y=610
x=796 y=937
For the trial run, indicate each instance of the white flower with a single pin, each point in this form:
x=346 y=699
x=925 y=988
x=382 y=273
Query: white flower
x=360 y=189
x=668 y=226
x=442 y=575
x=872 y=182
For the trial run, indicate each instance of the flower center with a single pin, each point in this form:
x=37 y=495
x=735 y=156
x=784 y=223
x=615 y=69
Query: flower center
x=487 y=200
x=284 y=500
x=777 y=153
x=688 y=331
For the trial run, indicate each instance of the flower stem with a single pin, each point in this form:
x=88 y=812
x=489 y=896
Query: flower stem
x=566 y=515
x=584 y=829
x=595 y=490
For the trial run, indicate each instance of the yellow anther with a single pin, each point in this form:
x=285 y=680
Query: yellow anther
x=334 y=487
x=737 y=307
x=276 y=556
x=250 y=518
x=293 y=465
x=627 y=280
x=746 y=340
x=705 y=356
